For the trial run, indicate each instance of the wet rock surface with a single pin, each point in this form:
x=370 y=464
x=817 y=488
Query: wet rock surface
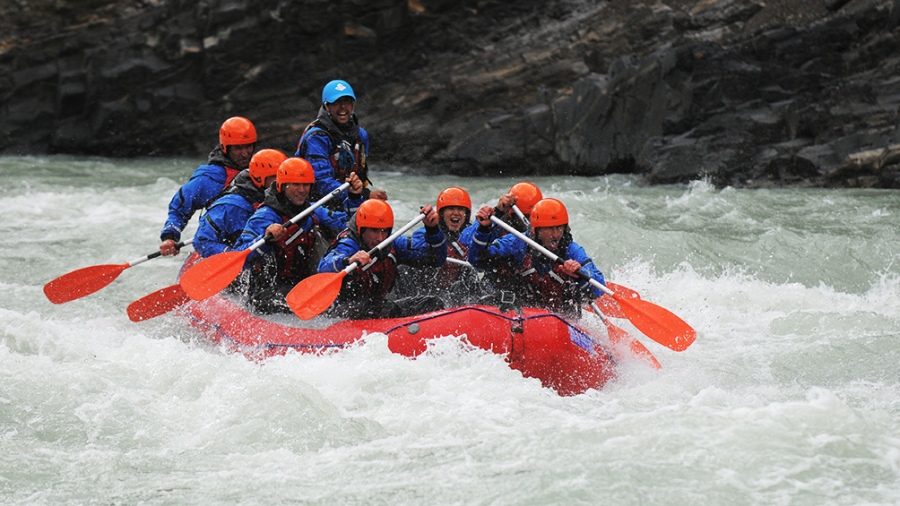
x=740 y=92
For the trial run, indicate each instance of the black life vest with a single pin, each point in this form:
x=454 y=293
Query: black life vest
x=339 y=148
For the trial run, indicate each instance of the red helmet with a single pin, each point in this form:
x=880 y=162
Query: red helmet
x=528 y=194
x=294 y=170
x=454 y=196
x=236 y=131
x=549 y=213
x=264 y=164
x=374 y=213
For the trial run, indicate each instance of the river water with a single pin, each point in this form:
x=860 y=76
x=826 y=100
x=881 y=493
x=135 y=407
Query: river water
x=789 y=396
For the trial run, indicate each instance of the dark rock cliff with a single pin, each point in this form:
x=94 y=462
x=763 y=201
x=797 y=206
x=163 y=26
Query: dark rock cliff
x=740 y=92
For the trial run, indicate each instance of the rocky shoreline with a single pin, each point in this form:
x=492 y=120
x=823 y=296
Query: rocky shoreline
x=742 y=93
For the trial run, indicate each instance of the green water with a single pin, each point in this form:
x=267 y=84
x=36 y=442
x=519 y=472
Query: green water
x=788 y=396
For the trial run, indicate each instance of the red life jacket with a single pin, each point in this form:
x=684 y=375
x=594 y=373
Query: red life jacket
x=551 y=291
x=373 y=281
x=294 y=251
x=230 y=174
x=450 y=272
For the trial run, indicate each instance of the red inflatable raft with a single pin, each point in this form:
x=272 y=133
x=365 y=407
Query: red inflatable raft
x=538 y=343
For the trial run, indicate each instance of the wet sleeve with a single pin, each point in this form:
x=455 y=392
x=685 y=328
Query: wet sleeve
x=577 y=253
x=318 y=151
x=333 y=261
x=192 y=196
x=254 y=230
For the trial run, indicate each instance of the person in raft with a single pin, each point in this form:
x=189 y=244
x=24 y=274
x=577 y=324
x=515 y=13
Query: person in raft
x=524 y=195
x=223 y=223
x=529 y=276
x=454 y=281
x=237 y=141
x=288 y=256
x=335 y=144
x=364 y=291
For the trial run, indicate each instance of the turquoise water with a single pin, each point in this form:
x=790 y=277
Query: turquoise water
x=788 y=396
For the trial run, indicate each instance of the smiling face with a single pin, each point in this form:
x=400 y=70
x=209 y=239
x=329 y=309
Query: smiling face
x=297 y=192
x=454 y=217
x=341 y=110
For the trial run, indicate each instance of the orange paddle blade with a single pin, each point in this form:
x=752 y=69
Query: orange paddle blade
x=213 y=274
x=81 y=282
x=623 y=290
x=315 y=294
x=657 y=323
x=619 y=336
x=159 y=302
x=609 y=306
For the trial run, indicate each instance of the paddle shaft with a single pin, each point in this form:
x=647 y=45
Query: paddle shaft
x=598 y=313
x=603 y=319
x=87 y=280
x=521 y=215
x=460 y=262
x=315 y=294
x=390 y=239
x=211 y=275
x=549 y=254
x=615 y=334
x=304 y=214
x=156 y=254
x=166 y=299
x=657 y=323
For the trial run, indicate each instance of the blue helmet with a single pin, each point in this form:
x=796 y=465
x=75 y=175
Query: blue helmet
x=335 y=90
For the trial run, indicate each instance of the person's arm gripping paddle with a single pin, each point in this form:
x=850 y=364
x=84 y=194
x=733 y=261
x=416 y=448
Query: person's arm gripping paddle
x=88 y=280
x=212 y=275
x=654 y=321
x=316 y=293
